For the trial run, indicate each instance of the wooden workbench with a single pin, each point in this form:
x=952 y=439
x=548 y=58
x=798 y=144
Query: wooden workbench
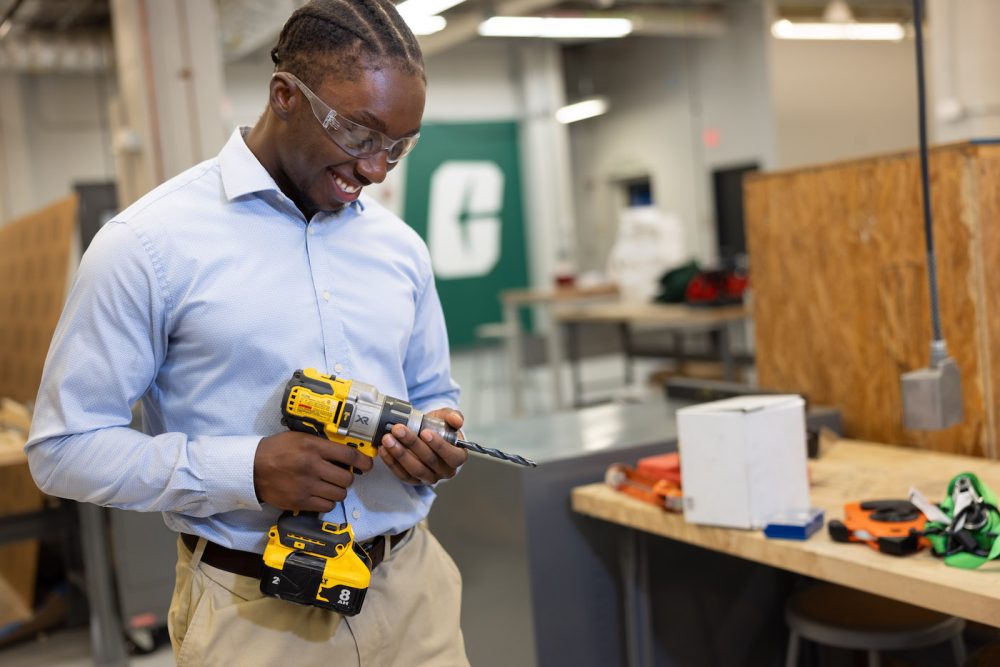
x=849 y=471
x=673 y=314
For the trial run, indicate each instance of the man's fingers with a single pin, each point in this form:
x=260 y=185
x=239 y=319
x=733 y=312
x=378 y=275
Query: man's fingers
x=316 y=504
x=406 y=441
x=332 y=492
x=398 y=470
x=298 y=471
x=405 y=457
x=427 y=452
x=422 y=450
x=455 y=419
x=343 y=455
x=404 y=435
x=333 y=473
x=452 y=455
x=425 y=457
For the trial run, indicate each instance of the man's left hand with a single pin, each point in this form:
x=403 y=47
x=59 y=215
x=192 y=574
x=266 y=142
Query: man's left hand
x=424 y=458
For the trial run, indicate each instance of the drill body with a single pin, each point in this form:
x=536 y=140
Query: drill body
x=349 y=412
x=315 y=562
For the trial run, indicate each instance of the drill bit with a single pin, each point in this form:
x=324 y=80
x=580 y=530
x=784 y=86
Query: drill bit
x=495 y=453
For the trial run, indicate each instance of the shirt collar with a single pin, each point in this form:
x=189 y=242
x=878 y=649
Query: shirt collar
x=243 y=174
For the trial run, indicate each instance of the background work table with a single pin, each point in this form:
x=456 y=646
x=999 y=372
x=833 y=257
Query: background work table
x=673 y=320
x=849 y=471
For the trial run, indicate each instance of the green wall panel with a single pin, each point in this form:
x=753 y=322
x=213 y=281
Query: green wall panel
x=463 y=196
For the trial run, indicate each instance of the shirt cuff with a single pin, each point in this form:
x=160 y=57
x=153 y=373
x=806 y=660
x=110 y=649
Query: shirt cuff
x=228 y=466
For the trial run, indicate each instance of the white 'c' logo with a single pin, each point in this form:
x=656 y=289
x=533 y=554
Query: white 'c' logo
x=464 y=221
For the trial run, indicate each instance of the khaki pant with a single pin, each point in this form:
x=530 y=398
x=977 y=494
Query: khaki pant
x=410 y=616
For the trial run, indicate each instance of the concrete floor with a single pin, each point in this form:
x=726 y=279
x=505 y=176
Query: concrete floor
x=71 y=648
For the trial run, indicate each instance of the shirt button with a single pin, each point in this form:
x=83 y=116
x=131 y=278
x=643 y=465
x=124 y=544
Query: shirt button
x=312 y=230
x=339 y=368
x=326 y=295
x=356 y=514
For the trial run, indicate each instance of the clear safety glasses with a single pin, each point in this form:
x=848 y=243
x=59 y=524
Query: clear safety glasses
x=356 y=140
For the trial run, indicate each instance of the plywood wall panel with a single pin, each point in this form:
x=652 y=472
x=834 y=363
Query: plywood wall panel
x=35 y=259
x=34 y=268
x=841 y=305
x=984 y=197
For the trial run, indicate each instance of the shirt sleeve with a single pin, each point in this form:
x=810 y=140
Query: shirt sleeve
x=427 y=365
x=105 y=354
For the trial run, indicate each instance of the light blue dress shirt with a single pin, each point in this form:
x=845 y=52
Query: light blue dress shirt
x=201 y=299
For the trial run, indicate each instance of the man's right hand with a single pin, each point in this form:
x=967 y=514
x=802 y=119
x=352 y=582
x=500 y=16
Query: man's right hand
x=298 y=471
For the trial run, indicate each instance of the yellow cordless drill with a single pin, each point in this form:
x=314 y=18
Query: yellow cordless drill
x=315 y=562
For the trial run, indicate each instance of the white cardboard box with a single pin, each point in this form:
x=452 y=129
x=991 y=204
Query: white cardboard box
x=743 y=460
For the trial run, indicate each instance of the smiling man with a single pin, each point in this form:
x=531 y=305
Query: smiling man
x=200 y=299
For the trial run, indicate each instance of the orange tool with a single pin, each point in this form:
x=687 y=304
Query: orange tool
x=660 y=492
x=888 y=526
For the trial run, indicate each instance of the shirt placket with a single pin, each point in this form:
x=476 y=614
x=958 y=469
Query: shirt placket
x=322 y=253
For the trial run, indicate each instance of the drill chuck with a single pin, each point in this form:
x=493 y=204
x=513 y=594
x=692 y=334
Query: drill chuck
x=450 y=436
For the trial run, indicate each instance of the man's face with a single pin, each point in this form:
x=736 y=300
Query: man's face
x=320 y=175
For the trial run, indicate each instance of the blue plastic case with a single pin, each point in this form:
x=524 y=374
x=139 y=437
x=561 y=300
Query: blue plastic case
x=794 y=526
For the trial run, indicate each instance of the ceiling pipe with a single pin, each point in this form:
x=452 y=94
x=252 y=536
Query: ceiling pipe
x=45 y=54
x=7 y=22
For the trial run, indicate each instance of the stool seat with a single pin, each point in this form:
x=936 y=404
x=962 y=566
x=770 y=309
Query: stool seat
x=489 y=392
x=846 y=618
x=494 y=331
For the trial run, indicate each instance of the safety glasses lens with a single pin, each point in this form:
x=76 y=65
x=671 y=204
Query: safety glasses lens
x=360 y=142
x=399 y=149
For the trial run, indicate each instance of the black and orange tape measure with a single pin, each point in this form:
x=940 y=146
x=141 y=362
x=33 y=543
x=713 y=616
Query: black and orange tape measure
x=888 y=526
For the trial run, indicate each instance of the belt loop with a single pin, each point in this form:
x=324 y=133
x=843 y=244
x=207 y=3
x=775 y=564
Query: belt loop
x=388 y=548
x=196 y=555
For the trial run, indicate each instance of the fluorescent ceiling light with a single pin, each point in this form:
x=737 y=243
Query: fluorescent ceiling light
x=588 y=108
x=422 y=15
x=891 y=32
x=425 y=25
x=425 y=7
x=556 y=28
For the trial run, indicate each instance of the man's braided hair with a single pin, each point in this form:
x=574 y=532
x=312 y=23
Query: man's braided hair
x=342 y=37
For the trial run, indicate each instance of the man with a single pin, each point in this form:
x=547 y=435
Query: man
x=201 y=299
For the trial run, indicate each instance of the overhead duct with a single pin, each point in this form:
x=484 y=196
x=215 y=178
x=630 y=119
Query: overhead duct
x=46 y=53
x=249 y=26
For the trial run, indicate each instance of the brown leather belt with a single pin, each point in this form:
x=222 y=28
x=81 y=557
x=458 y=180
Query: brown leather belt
x=247 y=564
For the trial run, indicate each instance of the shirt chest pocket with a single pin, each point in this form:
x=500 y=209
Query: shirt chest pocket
x=377 y=316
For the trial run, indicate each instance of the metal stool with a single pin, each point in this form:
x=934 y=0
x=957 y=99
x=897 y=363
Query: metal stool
x=491 y=393
x=847 y=618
